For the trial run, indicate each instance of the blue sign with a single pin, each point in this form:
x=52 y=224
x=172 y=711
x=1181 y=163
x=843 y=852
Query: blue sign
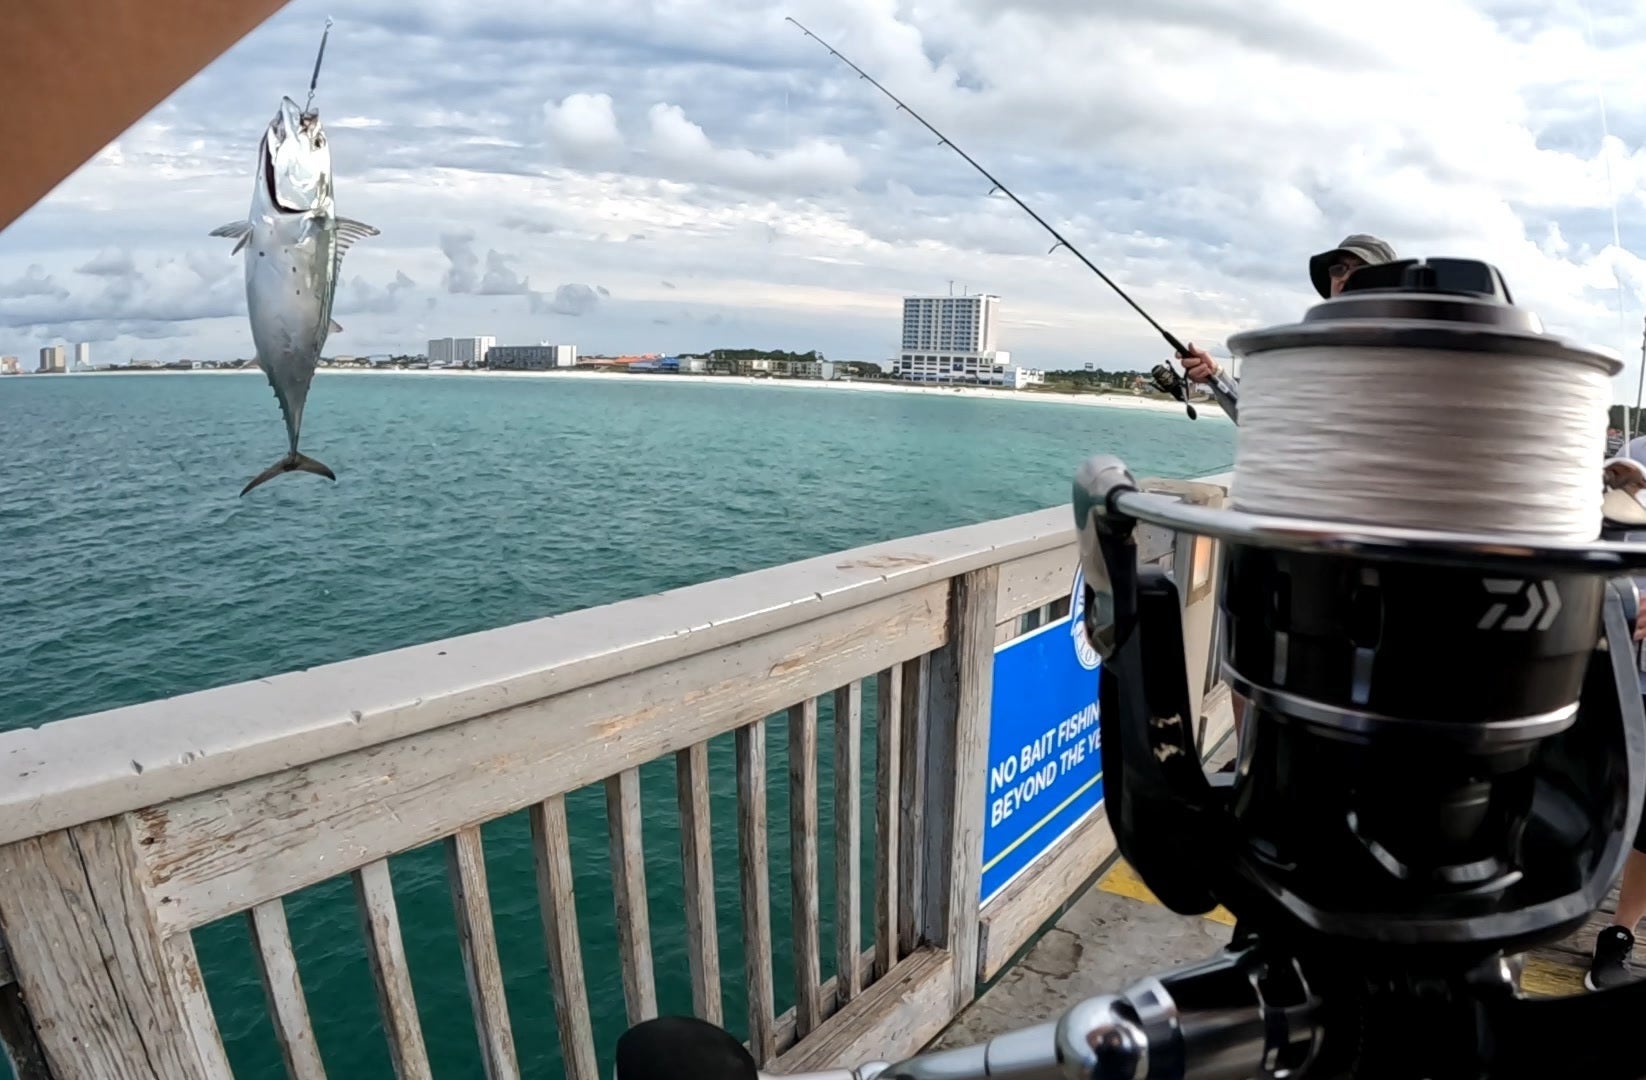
x=1045 y=761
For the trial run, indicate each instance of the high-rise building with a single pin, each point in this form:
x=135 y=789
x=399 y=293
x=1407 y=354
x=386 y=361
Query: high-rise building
x=459 y=352
x=51 y=358
x=471 y=352
x=954 y=339
x=10 y=366
x=82 y=357
x=963 y=324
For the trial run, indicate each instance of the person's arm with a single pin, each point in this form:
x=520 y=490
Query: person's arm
x=1200 y=367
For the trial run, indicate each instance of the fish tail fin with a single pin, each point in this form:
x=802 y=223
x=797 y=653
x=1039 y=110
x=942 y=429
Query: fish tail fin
x=292 y=462
x=304 y=463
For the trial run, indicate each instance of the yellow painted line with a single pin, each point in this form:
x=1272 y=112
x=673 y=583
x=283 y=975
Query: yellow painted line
x=1062 y=806
x=1540 y=977
x=1122 y=880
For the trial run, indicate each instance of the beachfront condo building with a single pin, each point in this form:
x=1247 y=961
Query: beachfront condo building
x=953 y=339
x=459 y=352
x=531 y=357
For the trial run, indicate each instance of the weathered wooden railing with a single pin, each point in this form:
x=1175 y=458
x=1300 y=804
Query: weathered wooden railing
x=123 y=834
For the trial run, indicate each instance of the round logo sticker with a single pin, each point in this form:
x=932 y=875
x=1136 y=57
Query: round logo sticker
x=1083 y=650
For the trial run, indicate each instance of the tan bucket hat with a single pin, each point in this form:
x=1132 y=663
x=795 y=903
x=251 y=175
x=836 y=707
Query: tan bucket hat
x=1367 y=248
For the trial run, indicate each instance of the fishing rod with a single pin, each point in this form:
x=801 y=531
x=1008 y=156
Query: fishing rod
x=1164 y=377
x=314 y=80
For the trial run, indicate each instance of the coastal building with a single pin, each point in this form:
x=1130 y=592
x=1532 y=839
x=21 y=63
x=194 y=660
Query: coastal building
x=82 y=357
x=459 y=352
x=801 y=369
x=51 y=359
x=950 y=324
x=531 y=357
x=954 y=339
x=10 y=366
x=471 y=352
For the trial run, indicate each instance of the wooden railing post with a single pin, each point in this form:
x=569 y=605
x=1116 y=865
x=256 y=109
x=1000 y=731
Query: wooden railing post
x=110 y=997
x=955 y=722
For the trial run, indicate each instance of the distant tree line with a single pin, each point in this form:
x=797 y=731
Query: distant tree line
x=1083 y=381
x=1097 y=380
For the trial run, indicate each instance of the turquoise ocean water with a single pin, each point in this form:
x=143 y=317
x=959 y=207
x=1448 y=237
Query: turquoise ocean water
x=130 y=570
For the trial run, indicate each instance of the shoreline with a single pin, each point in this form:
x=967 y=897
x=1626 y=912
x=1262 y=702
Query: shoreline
x=1207 y=408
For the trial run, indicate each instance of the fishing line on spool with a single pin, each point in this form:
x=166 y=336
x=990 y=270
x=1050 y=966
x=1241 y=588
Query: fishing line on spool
x=1424 y=438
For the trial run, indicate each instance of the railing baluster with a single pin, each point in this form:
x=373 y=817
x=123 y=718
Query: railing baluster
x=466 y=869
x=808 y=968
x=697 y=861
x=278 y=966
x=848 y=887
x=887 y=862
x=380 y=919
x=955 y=738
x=756 y=888
x=634 y=936
x=552 y=852
x=912 y=807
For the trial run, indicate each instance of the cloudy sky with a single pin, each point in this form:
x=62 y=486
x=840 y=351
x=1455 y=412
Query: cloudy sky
x=672 y=175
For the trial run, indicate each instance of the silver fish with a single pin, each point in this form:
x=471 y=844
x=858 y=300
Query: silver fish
x=294 y=244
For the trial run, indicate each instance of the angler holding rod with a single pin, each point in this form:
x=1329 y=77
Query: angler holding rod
x=1329 y=271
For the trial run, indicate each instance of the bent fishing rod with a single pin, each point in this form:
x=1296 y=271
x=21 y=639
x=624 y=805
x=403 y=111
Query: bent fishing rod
x=1164 y=377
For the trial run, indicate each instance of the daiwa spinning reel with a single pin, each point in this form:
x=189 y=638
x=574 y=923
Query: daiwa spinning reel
x=1444 y=754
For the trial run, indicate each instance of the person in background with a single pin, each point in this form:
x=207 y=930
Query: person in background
x=1614 y=946
x=1614 y=441
x=1328 y=271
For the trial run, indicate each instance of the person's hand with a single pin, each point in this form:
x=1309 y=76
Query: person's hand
x=1199 y=365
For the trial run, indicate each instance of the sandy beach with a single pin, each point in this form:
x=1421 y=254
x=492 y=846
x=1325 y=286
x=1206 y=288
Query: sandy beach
x=1207 y=409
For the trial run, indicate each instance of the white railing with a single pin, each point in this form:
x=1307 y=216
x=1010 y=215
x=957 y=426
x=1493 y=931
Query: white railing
x=125 y=834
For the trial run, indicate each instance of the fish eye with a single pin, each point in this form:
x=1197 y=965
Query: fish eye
x=319 y=142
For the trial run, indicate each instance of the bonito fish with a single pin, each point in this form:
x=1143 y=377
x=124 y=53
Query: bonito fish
x=294 y=244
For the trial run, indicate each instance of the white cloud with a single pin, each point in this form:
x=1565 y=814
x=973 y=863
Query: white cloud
x=1197 y=150
x=811 y=165
x=584 y=127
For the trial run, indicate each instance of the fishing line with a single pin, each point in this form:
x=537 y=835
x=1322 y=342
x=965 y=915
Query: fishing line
x=314 y=80
x=1405 y=437
x=1611 y=194
x=1177 y=346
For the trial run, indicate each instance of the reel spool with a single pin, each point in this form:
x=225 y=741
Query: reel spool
x=1401 y=712
x=1440 y=763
